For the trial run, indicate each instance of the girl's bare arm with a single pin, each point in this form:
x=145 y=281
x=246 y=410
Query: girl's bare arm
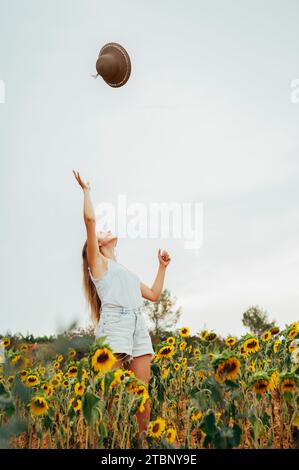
x=95 y=258
x=153 y=293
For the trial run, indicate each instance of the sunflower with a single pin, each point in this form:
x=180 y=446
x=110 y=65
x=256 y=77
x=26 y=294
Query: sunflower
x=165 y=372
x=24 y=347
x=38 y=406
x=6 y=342
x=229 y=369
x=184 y=361
x=171 y=340
x=274 y=330
x=103 y=360
x=55 y=382
x=65 y=383
x=288 y=385
x=204 y=334
x=190 y=349
x=75 y=403
x=244 y=352
x=177 y=366
x=251 y=345
x=292 y=333
x=129 y=373
x=196 y=415
x=184 y=332
x=156 y=427
x=211 y=356
x=72 y=353
x=119 y=376
x=170 y=435
x=23 y=374
x=293 y=346
x=72 y=371
x=19 y=361
x=211 y=337
x=196 y=352
x=42 y=370
x=231 y=341
x=141 y=390
x=261 y=386
x=32 y=380
x=266 y=336
x=183 y=345
x=132 y=385
x=276 y=345
x=56 y=365
x=166 y=351
x=201 y=374
x=49 y=390
x=10 y=379
x=60 y=358
x=79 y=388
x=273 y=382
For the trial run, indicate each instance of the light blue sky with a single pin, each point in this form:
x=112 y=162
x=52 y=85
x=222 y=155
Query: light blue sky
x=206 y=116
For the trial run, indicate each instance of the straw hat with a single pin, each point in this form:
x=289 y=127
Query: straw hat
x=114 y=64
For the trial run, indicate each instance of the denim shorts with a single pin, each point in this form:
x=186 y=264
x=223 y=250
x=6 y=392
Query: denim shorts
x=126 y=331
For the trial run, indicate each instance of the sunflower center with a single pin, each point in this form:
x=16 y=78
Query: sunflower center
x=39 y=403
x=156 y=427
x=166 y=351
x=229 y=367
x=103 y=357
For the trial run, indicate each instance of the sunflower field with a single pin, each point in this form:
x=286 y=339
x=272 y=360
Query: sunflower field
x=205 y=392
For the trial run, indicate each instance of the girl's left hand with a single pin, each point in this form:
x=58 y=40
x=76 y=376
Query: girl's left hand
x=164 y=258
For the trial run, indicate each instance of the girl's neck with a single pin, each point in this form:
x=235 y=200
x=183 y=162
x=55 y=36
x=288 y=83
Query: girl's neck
x=109 y=254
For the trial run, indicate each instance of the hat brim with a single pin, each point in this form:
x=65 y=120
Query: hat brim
x=124 y=60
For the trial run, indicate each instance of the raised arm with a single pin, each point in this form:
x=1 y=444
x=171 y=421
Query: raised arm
x=153 y=293
x=96 y=260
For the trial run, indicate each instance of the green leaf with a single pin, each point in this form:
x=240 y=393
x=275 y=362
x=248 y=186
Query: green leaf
x=103 y=430
x=79 y=373
x=237 y=431
x=231 y=384
x=71 y=413
x=47 y=422
x=89 y=402
x=208 y=424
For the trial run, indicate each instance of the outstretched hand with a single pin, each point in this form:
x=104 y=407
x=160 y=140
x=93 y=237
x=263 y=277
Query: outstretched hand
x=164 y=258
x=84 y=186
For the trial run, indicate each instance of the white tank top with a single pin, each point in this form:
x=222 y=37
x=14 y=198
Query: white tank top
x=118 y=287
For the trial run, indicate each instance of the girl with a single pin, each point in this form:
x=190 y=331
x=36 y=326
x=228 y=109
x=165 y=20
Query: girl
x=115 y=295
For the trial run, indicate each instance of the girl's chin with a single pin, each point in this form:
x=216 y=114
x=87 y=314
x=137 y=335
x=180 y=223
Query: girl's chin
x=111 y=241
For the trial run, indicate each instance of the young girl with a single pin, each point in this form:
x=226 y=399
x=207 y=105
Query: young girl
x=115 y=295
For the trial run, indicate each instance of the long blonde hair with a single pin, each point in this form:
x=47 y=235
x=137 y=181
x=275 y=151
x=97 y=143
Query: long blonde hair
x=89 y=289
